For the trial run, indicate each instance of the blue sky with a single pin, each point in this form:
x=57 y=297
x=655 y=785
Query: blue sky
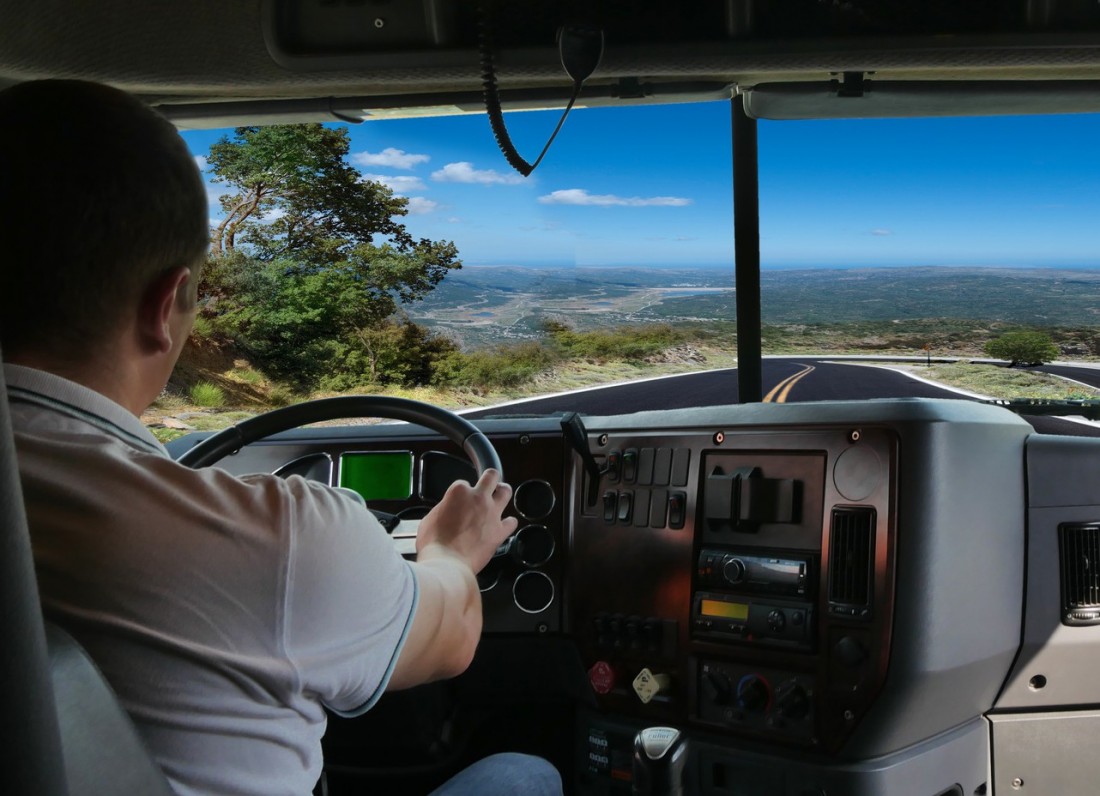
x=651 y=186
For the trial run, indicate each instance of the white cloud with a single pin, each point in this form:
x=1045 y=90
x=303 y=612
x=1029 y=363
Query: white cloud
x=390 y=158
x=464 y=171
x=200 y=161
x=402 y=184
x=214 y=193
x=418 y=205
x=881 y=233
x=454 y=220
x=579 y=196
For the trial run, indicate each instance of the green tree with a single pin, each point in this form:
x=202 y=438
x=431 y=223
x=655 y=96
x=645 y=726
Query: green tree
x=294 y=195
x=310 y=258
x=1022 y=348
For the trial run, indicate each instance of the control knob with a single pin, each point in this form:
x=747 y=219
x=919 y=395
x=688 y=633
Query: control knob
x=793 y=703
x=733 y=570
x=720 y=687
x=753 y=693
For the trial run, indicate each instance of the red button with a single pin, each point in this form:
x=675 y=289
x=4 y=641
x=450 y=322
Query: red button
x=602 y=677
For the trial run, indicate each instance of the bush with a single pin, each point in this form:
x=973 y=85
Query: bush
x=629 y=343
x=1022 y=348
x=206 y=394
x=203 y=328
x=507 y=366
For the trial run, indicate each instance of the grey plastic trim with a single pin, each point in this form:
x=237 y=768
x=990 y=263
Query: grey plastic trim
x=1046 y=753
x=922 y=98
x=959 y=757
x=1063 y=486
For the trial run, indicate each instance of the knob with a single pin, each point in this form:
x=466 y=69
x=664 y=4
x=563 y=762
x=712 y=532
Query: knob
x=733 y=570
x=648 y=685
x=720 y=686
x=659 y=761
x=602 y=677
x=753 y=693
x=793 y=702
x=849 y=652
x=777 y=620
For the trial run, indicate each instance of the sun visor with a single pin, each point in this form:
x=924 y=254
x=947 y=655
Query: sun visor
x=860 y=98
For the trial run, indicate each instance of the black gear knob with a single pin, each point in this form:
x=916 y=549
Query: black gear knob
x=660 y=755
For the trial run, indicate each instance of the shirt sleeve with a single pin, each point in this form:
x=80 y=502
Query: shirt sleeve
x=350 y=598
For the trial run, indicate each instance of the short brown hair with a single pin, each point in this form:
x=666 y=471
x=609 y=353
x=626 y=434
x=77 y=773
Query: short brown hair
x=99 y=196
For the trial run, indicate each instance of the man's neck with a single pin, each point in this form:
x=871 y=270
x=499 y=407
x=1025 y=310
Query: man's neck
x=106 y=375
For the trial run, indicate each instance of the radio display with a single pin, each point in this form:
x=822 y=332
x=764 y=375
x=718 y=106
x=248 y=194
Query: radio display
x=723 y=610
x=378 y=476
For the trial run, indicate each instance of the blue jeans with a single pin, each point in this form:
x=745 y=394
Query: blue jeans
x=507 y=774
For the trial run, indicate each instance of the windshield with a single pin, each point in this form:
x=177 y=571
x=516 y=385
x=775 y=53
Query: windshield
x=914 y=257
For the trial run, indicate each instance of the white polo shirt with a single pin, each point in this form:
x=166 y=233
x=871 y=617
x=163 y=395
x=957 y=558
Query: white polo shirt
x=224 y=611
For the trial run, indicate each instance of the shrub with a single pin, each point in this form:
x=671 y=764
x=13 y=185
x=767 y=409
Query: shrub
x=203 y=328
x=506 y=366
x=1022 y=348
x=206 y=394
x=629 y=343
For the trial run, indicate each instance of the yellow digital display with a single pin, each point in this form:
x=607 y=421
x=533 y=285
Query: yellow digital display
x=724 y=610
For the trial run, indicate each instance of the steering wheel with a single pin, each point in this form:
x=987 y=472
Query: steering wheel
x=457 y=429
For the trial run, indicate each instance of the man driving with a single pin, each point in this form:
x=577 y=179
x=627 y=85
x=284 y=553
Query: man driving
x=226 y=612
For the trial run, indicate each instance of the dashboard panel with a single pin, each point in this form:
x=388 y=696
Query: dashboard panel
x=825 y=598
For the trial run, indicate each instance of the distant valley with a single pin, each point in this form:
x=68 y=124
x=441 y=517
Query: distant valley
x=488 y=305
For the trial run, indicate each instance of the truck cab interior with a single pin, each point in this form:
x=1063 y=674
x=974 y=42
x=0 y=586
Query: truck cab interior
x=839 y=598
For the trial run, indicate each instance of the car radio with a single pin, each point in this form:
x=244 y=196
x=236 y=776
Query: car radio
x=753 y=599
x=756 y=574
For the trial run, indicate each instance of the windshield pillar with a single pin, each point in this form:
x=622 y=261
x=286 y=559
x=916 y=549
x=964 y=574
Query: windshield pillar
x=746 y=233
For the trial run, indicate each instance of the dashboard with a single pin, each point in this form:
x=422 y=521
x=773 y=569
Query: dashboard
x=824 y=598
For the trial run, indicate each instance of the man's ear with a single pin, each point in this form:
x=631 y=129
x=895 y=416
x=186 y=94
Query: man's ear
x=158 y=307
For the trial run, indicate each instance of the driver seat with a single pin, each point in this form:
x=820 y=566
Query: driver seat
x=66 y=734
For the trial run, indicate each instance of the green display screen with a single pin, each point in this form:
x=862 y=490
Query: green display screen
x=378 y=476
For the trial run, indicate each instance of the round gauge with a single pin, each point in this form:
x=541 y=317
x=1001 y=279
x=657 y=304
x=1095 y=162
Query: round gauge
x=533 y=592
x=489 y=576
x=535 y=545
x=534 y=499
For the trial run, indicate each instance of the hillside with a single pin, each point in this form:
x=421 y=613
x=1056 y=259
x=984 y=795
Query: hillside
x=482 y=305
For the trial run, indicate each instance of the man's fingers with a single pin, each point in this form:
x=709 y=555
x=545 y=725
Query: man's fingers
x=502 y=494
x=488 y=480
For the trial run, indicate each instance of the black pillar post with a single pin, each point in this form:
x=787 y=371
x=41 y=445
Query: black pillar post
x=746 y=230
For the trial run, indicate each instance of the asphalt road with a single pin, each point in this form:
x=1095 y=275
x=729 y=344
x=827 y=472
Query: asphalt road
x=1089 y=376
x=785 y=381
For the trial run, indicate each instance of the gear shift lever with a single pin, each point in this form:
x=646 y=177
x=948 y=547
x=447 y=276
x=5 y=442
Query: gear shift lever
x=660 y=754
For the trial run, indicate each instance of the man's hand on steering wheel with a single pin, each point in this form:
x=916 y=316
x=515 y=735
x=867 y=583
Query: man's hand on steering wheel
x=468 y=522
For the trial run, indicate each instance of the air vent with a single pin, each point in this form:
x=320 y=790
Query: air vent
x=851 y=562
x=1079 y=549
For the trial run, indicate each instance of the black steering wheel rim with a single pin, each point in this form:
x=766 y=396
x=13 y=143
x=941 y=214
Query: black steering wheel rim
x=455 y=428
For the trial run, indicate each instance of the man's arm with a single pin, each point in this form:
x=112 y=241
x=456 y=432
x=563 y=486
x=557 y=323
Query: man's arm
x=456 y=539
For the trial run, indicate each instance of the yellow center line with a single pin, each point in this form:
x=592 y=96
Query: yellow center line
x=780 y=391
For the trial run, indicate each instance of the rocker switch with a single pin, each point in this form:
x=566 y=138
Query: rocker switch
x=610 y=502
x=626 y=501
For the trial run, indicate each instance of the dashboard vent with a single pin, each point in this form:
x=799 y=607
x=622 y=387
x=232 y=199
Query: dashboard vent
x=851 y=562
x=1079 y=557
